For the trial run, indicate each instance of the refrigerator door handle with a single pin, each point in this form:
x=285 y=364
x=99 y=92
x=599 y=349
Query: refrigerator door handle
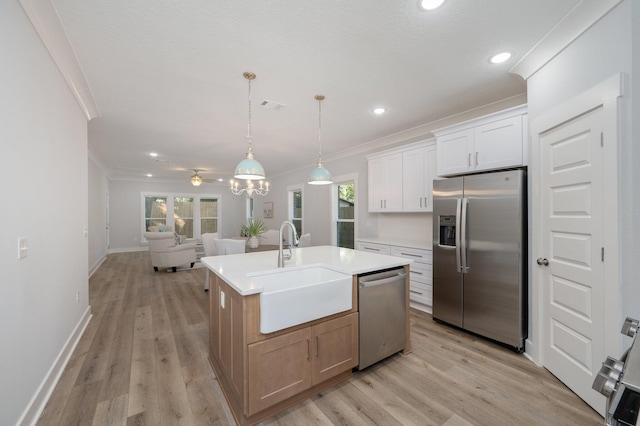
x=457 y=237
x=464 y=268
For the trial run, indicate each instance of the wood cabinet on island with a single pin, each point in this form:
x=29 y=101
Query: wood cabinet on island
x=263 y=374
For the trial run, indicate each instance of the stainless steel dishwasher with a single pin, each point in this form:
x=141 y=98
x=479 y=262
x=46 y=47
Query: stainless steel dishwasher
x=381 y=300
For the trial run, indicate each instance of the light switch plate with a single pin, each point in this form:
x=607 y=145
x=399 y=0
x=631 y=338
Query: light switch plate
x=22 y=247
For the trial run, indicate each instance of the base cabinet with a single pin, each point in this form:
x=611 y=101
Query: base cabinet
x=287 y=365
x=420 y=271
x=261 y=374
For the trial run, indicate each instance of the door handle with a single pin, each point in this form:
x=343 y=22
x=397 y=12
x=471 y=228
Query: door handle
x=464 y=266
x=543 y=261
x=457 y=236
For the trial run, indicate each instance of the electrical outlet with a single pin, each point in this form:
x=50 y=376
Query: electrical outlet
x=78 y=296
x=85 y=232
x=222 y=299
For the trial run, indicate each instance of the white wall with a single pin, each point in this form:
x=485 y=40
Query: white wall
x=126 y=208
x=604 y=50
x=98 y=184
x=43 y=178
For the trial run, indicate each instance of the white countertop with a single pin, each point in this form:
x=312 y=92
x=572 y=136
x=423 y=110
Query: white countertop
x=427 y=245
x=235 y=269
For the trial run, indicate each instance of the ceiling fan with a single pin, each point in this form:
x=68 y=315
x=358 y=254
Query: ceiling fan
x=196 y=179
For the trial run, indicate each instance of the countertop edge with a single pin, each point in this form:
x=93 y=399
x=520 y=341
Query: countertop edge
x=236 y=269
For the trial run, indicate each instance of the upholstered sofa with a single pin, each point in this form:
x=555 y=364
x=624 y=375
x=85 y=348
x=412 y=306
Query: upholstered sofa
x=165 y=253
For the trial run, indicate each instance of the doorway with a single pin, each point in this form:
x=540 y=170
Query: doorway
x=575 y=238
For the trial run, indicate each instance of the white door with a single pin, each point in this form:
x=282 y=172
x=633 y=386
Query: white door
x=572 y=214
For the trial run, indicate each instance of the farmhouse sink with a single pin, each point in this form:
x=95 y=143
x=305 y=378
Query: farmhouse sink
x=295 y=296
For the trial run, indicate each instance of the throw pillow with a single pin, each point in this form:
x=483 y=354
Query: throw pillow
x=164 y=228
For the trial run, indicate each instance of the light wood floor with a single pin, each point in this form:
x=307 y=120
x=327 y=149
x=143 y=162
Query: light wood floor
x=143 y=361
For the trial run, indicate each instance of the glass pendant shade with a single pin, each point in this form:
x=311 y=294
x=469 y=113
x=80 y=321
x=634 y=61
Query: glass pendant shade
x=249 y=169
x=319 y=176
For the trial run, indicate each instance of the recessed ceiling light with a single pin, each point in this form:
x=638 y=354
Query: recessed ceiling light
x=220 y=180
x=379 y=110
x=149 y=175
x=430 y=4
x=153 y=154
x=500 y=57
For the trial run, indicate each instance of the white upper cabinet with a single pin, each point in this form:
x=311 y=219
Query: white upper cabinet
x=496 y=141
x=418 y=171
x=385 y=183
x=401 y=179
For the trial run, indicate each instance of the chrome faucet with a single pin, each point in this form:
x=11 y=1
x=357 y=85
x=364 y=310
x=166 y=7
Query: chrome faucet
x=282 y=256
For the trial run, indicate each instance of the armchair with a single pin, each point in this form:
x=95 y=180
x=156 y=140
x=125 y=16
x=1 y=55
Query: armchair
x=166 y=254
x=166 y=228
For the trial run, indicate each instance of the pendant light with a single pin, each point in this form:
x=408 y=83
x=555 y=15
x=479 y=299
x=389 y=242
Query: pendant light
x=320 y=175
x=249 y=168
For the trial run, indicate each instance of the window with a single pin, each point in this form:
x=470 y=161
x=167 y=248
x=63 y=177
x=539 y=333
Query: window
x=208 y=215
x=192 y=215
x=344 y=207
x=155 y=211
x=183 y=216
x=249 y=207
x=295 y=208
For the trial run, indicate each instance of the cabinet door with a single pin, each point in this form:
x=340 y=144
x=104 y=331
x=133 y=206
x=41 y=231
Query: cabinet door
x=279 y=368
x=393 y=192
x=385 y=183
x=431 y=174
x=335 y=347
x=498 y=144
x=454 y=153
x=377 y=184
x=414 y=180
x=229 y=340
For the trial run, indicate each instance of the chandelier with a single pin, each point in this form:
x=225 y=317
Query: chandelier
x=250 y=189
x=319 y=175
x=249 y=169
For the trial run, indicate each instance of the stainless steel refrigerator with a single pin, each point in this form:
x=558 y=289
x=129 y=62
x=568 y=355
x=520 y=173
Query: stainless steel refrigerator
x=479 y=253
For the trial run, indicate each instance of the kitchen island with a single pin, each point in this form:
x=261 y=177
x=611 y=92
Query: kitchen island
x=263 y=373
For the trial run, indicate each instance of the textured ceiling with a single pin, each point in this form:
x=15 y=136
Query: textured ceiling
x=167 y=75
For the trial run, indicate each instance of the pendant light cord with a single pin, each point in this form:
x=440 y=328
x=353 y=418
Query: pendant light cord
x=249 y=76
x=319 y=98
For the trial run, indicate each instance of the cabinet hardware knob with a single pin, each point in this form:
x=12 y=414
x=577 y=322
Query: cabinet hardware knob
x=543 y=261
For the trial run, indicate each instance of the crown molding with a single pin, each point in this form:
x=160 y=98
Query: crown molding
x=45 y=20
x=585 y=14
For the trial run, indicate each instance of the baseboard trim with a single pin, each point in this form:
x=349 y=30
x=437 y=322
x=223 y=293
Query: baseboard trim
x=96 y=265
x=127 y=250
x=41 y=397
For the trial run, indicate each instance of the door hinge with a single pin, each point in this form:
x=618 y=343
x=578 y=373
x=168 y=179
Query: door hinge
x=602 y=253
x=601 y=138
